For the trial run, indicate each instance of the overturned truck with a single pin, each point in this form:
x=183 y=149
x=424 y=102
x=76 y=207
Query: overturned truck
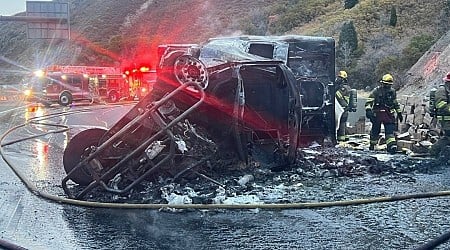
x=220 y=101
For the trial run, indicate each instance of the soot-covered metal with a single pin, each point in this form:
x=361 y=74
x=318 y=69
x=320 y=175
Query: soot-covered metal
x=213 y=107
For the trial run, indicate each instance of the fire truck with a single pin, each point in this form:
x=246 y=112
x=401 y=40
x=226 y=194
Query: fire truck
x=140 y=79
x=66 y=84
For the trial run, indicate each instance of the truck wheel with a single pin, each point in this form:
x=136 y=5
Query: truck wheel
x=79 y=148
x=189 y=69
x=65 y=98
x=113 y=96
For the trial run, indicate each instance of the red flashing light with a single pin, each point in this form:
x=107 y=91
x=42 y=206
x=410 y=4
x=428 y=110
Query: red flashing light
x=144 y=69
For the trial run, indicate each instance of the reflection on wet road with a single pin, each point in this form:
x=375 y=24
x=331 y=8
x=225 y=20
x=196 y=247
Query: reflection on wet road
x=35 y=223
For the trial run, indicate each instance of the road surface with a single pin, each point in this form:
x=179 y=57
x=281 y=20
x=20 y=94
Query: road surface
x=32 y=222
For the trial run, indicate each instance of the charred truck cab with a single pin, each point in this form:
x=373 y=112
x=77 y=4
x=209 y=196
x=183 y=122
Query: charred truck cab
x=226 y=99
x=312 y=61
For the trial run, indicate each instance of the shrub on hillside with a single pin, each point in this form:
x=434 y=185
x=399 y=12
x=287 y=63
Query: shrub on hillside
x=256 y=23
x=415 y=49
x=348 y=4
x=393 y=19
x=347 y=44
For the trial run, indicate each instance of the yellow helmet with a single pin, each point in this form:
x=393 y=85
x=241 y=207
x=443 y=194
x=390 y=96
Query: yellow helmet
x=342 y=74
x=388 y=79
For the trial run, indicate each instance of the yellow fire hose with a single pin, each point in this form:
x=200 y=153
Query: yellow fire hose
x=275 y=206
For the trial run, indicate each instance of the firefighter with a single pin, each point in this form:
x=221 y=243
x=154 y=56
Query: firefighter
x=343 y=97
x=442 y=112
x=93 y=89
x=382 y=107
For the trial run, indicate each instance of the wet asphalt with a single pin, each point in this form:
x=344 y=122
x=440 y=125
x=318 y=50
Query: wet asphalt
x=32 y=222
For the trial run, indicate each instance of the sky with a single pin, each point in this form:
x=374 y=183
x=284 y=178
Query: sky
x=11 y=7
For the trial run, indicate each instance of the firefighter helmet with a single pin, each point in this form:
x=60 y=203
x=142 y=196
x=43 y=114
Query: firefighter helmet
x=343 y=74
x=388 y=79
x=447 y=78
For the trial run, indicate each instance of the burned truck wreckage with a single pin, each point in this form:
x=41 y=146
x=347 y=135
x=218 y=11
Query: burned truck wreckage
x=214 y=106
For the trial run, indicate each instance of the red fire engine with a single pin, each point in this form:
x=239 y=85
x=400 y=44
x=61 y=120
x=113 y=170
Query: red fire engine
x=140 y=79
x=65 y=84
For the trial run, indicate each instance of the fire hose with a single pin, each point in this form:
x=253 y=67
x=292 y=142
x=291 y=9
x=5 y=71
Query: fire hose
x=304 y=205
x=64 y=128
x=10 y=246
x=274 y=206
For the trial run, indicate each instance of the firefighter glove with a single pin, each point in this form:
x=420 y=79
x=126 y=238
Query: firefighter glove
x=370 y=115
x=400 y=117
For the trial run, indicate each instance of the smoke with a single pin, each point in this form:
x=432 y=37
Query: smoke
x=210 y=21
x=132 y=18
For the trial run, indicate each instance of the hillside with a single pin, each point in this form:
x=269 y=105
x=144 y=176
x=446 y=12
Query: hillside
x=121 y=32
x=429 y=70
x=115 y=32
x=383 y=47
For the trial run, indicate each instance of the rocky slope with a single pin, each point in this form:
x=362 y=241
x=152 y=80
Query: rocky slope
x=428 y=72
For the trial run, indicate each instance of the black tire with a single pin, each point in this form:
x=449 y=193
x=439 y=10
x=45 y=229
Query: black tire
x=78 y=149
x=113 y=96
x=65 y=98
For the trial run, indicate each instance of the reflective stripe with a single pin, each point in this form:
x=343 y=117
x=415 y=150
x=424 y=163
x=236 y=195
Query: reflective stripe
x=338 y=93
x=444 y=118
x=369 y=102
x=390 y=140
x=347 y=98
x=342 y=138
x=441 y=104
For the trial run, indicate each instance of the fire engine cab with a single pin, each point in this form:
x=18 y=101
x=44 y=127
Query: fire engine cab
x=140 y=79
x=65 y=84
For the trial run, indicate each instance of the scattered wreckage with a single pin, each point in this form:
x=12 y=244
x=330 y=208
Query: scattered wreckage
x=415 y=136
x=213 y=106
x=421 y=129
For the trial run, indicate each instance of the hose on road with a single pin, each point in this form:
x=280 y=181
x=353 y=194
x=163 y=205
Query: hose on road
x=305 y=205
x=10 y=246
x=275 y=206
